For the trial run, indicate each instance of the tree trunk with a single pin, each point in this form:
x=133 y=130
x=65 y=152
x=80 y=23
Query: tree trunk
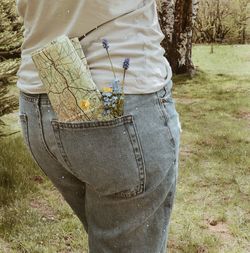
x=243 y=33
x=176 y=18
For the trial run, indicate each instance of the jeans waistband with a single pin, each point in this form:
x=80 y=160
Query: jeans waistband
x=44 y=99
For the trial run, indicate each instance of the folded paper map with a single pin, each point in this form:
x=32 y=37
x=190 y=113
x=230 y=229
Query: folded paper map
x=64 y=71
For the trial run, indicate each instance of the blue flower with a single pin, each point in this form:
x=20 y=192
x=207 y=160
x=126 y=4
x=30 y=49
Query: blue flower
x=116 y=86
x=105 y=43
x=126 y=63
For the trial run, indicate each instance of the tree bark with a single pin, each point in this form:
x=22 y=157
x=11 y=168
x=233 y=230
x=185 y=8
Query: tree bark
x=176 y=18
x=243 y=18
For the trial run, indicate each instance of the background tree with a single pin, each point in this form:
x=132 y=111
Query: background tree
x=212 y=24
x=241 y=16
x=10 y=30
x=177 y=20
x=222 y=21
x=10 y=43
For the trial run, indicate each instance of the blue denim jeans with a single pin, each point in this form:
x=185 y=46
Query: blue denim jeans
x=118 y=176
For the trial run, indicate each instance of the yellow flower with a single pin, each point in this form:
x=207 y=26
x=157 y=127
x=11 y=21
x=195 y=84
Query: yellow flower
x=107 y=89
x=84 y=104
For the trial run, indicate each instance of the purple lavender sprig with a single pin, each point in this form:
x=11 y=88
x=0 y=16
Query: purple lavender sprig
x=105 y=44
x=125 y=68
x=120 y=102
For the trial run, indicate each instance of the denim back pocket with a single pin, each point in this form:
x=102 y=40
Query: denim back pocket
x=107 y=155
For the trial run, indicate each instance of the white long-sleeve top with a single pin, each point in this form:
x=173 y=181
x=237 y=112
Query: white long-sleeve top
x=134 y=33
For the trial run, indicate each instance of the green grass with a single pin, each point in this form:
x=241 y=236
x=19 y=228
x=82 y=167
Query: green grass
x=33 y=216
x=212 y=208
x=211 y=212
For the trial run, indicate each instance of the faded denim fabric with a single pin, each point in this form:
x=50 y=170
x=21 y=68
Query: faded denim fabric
x=119 y=176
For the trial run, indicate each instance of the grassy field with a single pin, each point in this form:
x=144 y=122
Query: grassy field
x=211 y=212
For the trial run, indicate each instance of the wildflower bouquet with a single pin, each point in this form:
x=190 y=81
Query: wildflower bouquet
x=63 y=69
x=113 y=96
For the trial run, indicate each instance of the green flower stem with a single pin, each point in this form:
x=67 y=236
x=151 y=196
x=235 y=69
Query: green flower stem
x=111 y=63
x=123 y=81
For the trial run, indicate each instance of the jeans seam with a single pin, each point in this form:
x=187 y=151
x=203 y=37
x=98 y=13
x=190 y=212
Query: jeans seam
x=41 y=131
x=57 y=134
x=141 y=162
x=160 y=101
x=134 y=139
x=24 y=119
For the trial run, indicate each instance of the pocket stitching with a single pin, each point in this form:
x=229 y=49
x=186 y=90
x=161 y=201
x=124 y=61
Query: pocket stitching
x=93 y=124
x=123 y=120
x=140 y=164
